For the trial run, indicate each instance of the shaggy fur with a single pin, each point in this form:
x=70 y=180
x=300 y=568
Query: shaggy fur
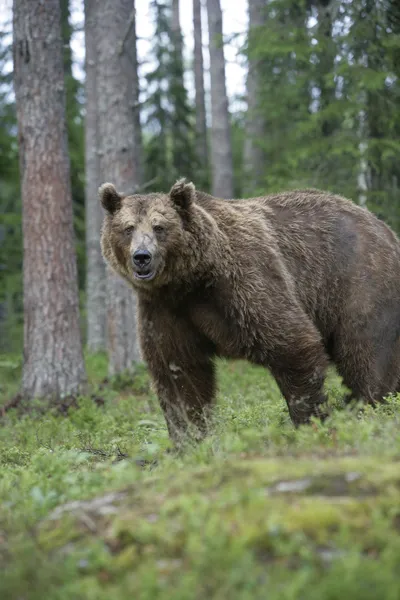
x=288 y=281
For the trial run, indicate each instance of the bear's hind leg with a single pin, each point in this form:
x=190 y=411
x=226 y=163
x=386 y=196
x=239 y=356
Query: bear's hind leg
x=299 y=368
x=370 y=367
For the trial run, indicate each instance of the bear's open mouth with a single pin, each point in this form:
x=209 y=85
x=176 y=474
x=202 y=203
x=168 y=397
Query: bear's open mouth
x=144 y=275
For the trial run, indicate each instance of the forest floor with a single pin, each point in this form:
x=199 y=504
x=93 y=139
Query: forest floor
x=92 y=506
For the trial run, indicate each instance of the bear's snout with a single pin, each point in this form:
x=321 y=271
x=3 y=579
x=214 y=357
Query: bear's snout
x=143 y=264
x=141 y=258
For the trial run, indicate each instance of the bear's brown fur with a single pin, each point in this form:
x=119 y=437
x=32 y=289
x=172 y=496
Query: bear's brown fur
x=289 y=281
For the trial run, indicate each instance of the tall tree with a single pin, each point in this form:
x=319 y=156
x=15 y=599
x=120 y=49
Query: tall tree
x=176 y=30
x=326 y=63
x=157 y=157
x=53 y=360
x=95 y=266
x=131 y=50
x=120 y=151
x=75 y=129
x=221 y=143
x=11 y=321
x=201 y=122
x=183 y=154
x=254 y=156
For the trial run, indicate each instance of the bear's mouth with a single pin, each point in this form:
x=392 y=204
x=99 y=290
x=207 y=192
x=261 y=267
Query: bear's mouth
x=144 y=275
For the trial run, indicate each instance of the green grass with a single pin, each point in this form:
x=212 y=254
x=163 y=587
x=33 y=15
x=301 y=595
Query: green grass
x=92 y=506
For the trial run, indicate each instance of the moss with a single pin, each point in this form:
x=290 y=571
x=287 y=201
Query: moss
x=93 y=506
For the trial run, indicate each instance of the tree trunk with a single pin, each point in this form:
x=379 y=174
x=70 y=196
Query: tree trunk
x=254 y=156
x=130 y=48
x=120 y=152
x=221 y=144
x=363 y=139
x=326 y=65
x=176 y=31
x=182 y=143
x=177 y=95
x=95 y=266
x=53 y=361
x=66 y=32
x=201 y=123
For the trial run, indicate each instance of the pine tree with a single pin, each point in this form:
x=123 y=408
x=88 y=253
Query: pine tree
x=221 y=137
x=119 y=156
x=11 y=300
x=183 y=155
x=254 y=156
x=53 y=361
x=157 y=150
x=95 y=266
x=75 y=129
x=201 y=122
x=169 y=124
x=328 y=93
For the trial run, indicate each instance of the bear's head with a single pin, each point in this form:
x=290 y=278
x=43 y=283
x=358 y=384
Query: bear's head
x=151 y=239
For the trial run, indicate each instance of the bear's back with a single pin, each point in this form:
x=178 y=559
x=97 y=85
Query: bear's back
x=332 y=249
x=299 y=211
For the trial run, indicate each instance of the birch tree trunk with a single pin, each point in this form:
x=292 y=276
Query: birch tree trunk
x=254 y=157
x=120 y=151
x=201 y=122
x=53 y=361
x=221 y=143
x=95 y=266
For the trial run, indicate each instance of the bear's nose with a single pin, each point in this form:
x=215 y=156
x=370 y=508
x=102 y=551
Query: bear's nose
x=141 y=258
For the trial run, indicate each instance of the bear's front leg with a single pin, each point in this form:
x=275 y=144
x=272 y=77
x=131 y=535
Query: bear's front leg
x=186 y=392
x=181 y=367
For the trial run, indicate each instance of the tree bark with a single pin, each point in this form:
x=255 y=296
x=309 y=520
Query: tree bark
x=221 y=143
x=66 y=32
x=326 y=65
x=176 y=31
x=95 y=266
x=254 y=156
x=363 y=142
x=201 y=122
x=53 y=361
x=179 y=131
x=120 y=152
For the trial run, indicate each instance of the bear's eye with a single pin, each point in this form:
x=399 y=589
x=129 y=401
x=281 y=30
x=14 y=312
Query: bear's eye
x=158 y=228
x=129 y=230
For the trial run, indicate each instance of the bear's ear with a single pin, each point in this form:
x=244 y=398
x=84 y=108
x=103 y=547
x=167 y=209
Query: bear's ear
x=182 y=194
x=109 y=198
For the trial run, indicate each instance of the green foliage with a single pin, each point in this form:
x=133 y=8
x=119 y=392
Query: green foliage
x=94 y=507
x=330 y=93
x=10 y=209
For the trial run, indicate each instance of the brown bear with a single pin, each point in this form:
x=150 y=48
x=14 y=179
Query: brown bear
x=290 y=281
